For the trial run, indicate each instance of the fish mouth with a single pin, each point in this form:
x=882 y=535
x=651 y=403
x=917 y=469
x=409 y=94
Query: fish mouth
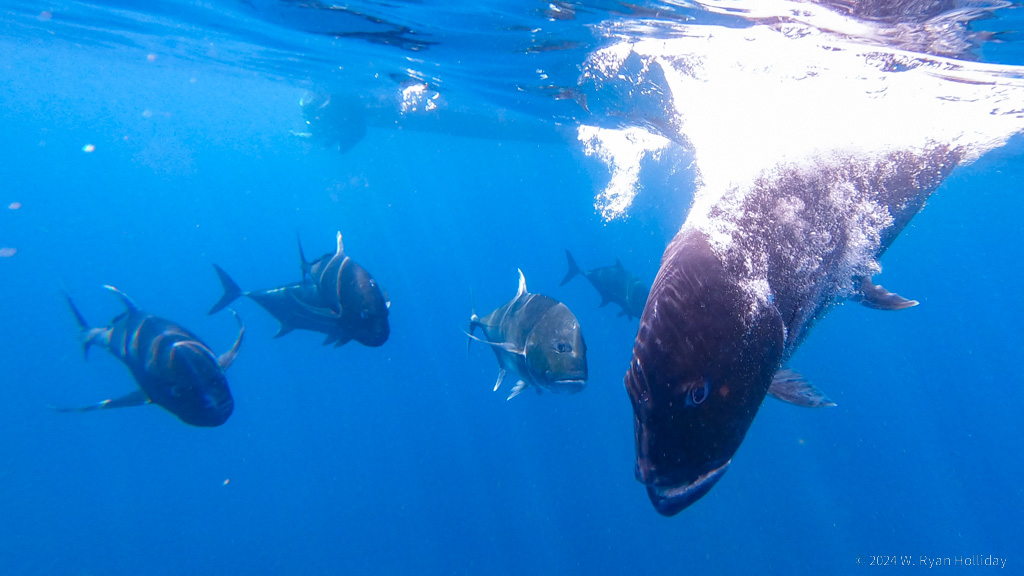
x=375 y=337
x=567 y=385
x=671 y=500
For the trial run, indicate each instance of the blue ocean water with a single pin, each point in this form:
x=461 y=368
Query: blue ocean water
x=400 y=459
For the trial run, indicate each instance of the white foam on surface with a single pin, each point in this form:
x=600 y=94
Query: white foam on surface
x=749 y=99
x=623 y=150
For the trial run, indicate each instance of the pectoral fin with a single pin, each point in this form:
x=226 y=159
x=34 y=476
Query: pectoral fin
x=789 y=386
x=519 y=387
x=507 y=346
x=874 y=296
x=135 y=398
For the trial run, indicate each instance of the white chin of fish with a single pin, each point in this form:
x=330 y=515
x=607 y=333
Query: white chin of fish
x=566 y=386
x=670 y=500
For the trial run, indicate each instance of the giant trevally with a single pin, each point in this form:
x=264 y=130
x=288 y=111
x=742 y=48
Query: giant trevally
x=739 y=287
x=347 y=289
x=614 y=284
x=538 y=339
x=172 y=367
x=336 y=297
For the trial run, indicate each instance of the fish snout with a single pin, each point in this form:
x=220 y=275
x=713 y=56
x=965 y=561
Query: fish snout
x=376 y=335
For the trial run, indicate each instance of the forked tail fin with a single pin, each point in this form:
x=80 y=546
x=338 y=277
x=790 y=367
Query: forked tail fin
x=231 y=291
x=573 y=269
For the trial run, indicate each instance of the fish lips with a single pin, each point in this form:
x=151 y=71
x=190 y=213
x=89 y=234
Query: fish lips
x=673 y=499
x=566 y=383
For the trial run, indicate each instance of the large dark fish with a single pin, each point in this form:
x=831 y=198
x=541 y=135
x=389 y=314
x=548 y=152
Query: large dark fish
x=738 y=289
x=614 y=284
x=336 y=297
x=538 y=339
x=172 y=367
x=352 y=294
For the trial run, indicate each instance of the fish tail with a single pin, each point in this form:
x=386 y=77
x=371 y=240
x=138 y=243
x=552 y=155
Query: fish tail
x=88 y=335
x=573 y=269
x=231 y=291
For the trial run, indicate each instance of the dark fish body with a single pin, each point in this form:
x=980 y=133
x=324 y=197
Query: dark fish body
x=336 y=297
x=352 y=294
x=297 y=307
x=172 y=367
x=739 y=287
x=614 y=284
x=537 y=339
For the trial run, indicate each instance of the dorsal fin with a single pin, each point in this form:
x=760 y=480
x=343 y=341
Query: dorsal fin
x=226 y=359
x=305 y=265
x=522 y=283
x=618 y=264
x=341 y=245
x=128 y=302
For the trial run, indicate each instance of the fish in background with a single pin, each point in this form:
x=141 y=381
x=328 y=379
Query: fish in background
x=614 y=284
x=538 y=339
x=295 y=306
x=738 y=290
x=171 y=366
x=337 y=121
x=336 y=297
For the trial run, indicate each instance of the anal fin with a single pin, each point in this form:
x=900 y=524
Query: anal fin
x=874 y=296
x=790 y=386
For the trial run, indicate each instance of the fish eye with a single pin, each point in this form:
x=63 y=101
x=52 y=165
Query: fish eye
x=563 y=347
x=698 y=394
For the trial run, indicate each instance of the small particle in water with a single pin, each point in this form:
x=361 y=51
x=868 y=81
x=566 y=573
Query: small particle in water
x=227 y=481
x=151 y=57
x=88 y=148
x=45 y=15
x=14 y=206
x=7 y=252
x=147 y=113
